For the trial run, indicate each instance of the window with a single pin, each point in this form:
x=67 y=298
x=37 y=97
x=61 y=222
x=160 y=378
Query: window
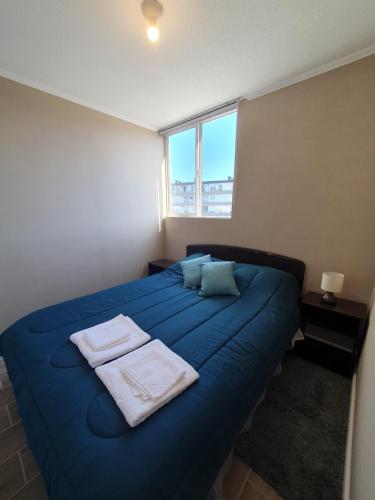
x=200 y=161
x=181 y=160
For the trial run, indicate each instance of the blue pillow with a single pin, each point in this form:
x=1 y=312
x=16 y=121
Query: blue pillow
x=192 y=272
x=218 y=279
x=176 y=267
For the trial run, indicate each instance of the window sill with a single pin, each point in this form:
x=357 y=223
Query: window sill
x=208 y=217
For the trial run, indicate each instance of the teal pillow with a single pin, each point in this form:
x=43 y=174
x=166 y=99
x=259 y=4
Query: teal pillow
x=176 y=267
x=192 y=272
x=218 y=279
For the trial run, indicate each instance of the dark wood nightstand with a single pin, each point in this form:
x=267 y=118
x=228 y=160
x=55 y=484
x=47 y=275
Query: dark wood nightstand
x=333 y=334
x=156 y=266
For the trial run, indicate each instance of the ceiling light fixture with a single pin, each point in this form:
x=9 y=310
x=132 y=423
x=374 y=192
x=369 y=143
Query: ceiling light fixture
x=152 y=9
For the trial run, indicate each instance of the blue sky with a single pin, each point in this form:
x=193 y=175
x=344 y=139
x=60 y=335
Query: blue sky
x=218 y=150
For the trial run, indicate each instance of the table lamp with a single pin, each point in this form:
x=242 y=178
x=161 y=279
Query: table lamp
x=331 y=283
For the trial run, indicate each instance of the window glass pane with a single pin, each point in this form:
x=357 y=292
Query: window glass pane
x=218 y=153
x=181 y=156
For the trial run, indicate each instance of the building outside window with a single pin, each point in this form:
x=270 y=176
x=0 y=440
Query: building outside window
x=201 y=163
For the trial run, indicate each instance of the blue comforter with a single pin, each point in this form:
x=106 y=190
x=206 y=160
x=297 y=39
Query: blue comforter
x=83 y=444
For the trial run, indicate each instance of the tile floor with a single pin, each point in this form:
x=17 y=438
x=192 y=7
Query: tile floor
x=20 y=477
x=242 y=483
x=19 y=474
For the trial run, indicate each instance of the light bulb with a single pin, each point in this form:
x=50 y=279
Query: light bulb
x=153 y=33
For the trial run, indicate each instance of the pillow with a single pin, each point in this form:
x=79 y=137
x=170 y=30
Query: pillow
x=218 y=279
x=192 y=272
x=176 y=267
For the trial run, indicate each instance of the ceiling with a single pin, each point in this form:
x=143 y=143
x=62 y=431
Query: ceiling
x=210 y=51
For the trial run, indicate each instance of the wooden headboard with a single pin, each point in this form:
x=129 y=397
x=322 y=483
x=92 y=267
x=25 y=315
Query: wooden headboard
x=251 y=256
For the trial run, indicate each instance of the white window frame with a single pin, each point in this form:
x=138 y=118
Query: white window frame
x=197 y=125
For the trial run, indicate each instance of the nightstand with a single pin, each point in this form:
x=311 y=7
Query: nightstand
x=156 y=266
x=333 y=334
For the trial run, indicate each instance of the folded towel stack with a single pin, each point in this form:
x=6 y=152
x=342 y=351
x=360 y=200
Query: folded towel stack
x=145 y=380
x=109 y=340
x=108 y=334
x=151 y=375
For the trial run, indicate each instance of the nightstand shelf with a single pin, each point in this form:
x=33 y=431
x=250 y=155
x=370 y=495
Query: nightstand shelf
x=333 y=334
x=330 y=337
x=157 y=266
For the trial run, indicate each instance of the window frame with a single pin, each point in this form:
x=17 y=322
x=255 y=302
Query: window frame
x=197 y=125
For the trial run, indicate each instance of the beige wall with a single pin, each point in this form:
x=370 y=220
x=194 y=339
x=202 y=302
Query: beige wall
x=305 y=179
x=79 y=190
x=362 y=477
x=78 y=200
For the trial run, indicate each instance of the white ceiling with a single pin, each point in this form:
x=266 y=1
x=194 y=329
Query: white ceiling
x=95 y=51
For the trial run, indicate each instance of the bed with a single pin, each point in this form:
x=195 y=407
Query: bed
x=82 y=442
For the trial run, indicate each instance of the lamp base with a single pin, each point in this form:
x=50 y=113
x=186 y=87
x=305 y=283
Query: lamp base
x=329 y=299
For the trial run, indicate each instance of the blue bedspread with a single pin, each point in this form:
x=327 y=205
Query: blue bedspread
x=83 y=444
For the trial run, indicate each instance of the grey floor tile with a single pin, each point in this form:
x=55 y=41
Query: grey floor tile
x=6 y=395
x=11 y=477
x=4 y=379
x=11 y=440
x=262 y=486
x=13 y=412
x=235 y=478
x=29 y=463
x=4 y=418
x=250 y=492
x=32 y=491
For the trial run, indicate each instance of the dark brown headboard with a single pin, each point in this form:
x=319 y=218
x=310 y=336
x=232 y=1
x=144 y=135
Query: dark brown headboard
x=251 y=256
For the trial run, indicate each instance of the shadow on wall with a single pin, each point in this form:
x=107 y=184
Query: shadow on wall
x=360 y=479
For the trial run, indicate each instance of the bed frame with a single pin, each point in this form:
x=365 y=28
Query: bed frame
x=251 y=256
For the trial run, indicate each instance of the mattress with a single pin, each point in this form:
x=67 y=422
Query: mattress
x=82 y=442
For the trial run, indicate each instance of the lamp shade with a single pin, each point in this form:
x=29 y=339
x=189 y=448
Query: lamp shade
x=332 y=282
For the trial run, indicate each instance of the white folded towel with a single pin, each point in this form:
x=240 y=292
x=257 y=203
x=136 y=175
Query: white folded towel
x=152 y=375
x=125 y=336
x=108 y=334
x=145 y=380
